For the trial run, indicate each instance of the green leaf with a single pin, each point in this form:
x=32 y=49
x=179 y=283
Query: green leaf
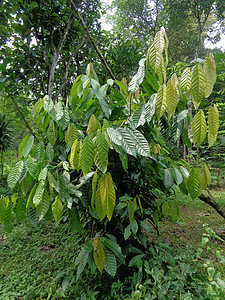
x=75 y=220
x=114 y=136
x=71 y=135
x=2 y=209
x=40 y=151
x=22 y=143
x=21 y=210
x=206 y=175
x=137 y=78
x=49 y=152
x=159 y=42
x=138 y=117
x=213 y=122
x=198 y=85
x=127 y=232
x=184 y=171
x=94 y=183
x=185 y=82
x=43 y=206
x=160 y=102
x=15 y=174
x=81 y=261
x=110 y=263
x=75 y=155
x=51 y=180
x=155 y=217
x=43 y=174
x=28 y=146
x=150 y=108
x=57 y=208
x=128 y=141
x=194 y=183
x=32 y=167
x=135 y=259
x=8 y=225
x=177 y=175
x=93 y=126
x=32 y=216
x=210 y=74
x=142 y=144
x=87 y=155
x=38 y=194
x=52 y=133
x=112 y=245
x=168 y=178
x=131 y=210
x=199 y=128
x=101 y=152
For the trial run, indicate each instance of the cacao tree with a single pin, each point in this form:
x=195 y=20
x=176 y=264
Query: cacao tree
x=101 y=162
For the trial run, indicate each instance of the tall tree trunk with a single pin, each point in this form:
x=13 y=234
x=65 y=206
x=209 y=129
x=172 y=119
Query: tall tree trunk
x=2 y=162
x=92 y=40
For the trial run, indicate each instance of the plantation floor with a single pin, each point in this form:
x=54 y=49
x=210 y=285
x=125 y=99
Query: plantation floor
x=193 y=214
x=38 y=263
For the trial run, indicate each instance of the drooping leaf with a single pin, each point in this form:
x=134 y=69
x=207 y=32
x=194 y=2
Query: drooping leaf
x=74 y=155
x=198 y=85
x=150 y=108
x=43 y=174
x=81 y=262
x=131 y=211
x=213 y=122
x=38 y=194
x=32 y=167
x=32 y=216
x=21 y=210
x=75 y=220
x=93 y=126
x=94 y=183
x=99 y=255
x=71 y=135
x=199 y=128
x=210 y=74
x=87 y=155
x=15 y=174
x=52 y=133
x=138 y=78
x=185 y=82
x=177 y=175
x=110 y=264
x=114 y=136
x=51 y=180
x=57 y=208
x=8 y=224
x=28 y=146
x=128 y=142
x=160 y=102
x=2 y=209
x=206 y=176
x=40 y=151
x=49 y=152
x=194 y=183
x=105 y=197
x=101 y=152
x=171 y=98
x=43 y=206
x=142 y=146
x=22 y=143
x=138 y=117
x=159 y=42
x=168 y=178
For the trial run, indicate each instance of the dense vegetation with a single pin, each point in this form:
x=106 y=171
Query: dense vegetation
x=100 y=163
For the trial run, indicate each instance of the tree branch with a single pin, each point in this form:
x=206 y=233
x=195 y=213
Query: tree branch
x=25 y=121
x=208 y=199
x=65 y=79
x=92 y=40
x=55 y=58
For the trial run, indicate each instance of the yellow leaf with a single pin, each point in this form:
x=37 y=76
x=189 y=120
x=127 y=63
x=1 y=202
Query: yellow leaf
x=160 y=103
x=98 y=254
x=213 y=122
x=199 y=128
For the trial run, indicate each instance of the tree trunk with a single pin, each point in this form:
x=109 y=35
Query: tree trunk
x=2 y=162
